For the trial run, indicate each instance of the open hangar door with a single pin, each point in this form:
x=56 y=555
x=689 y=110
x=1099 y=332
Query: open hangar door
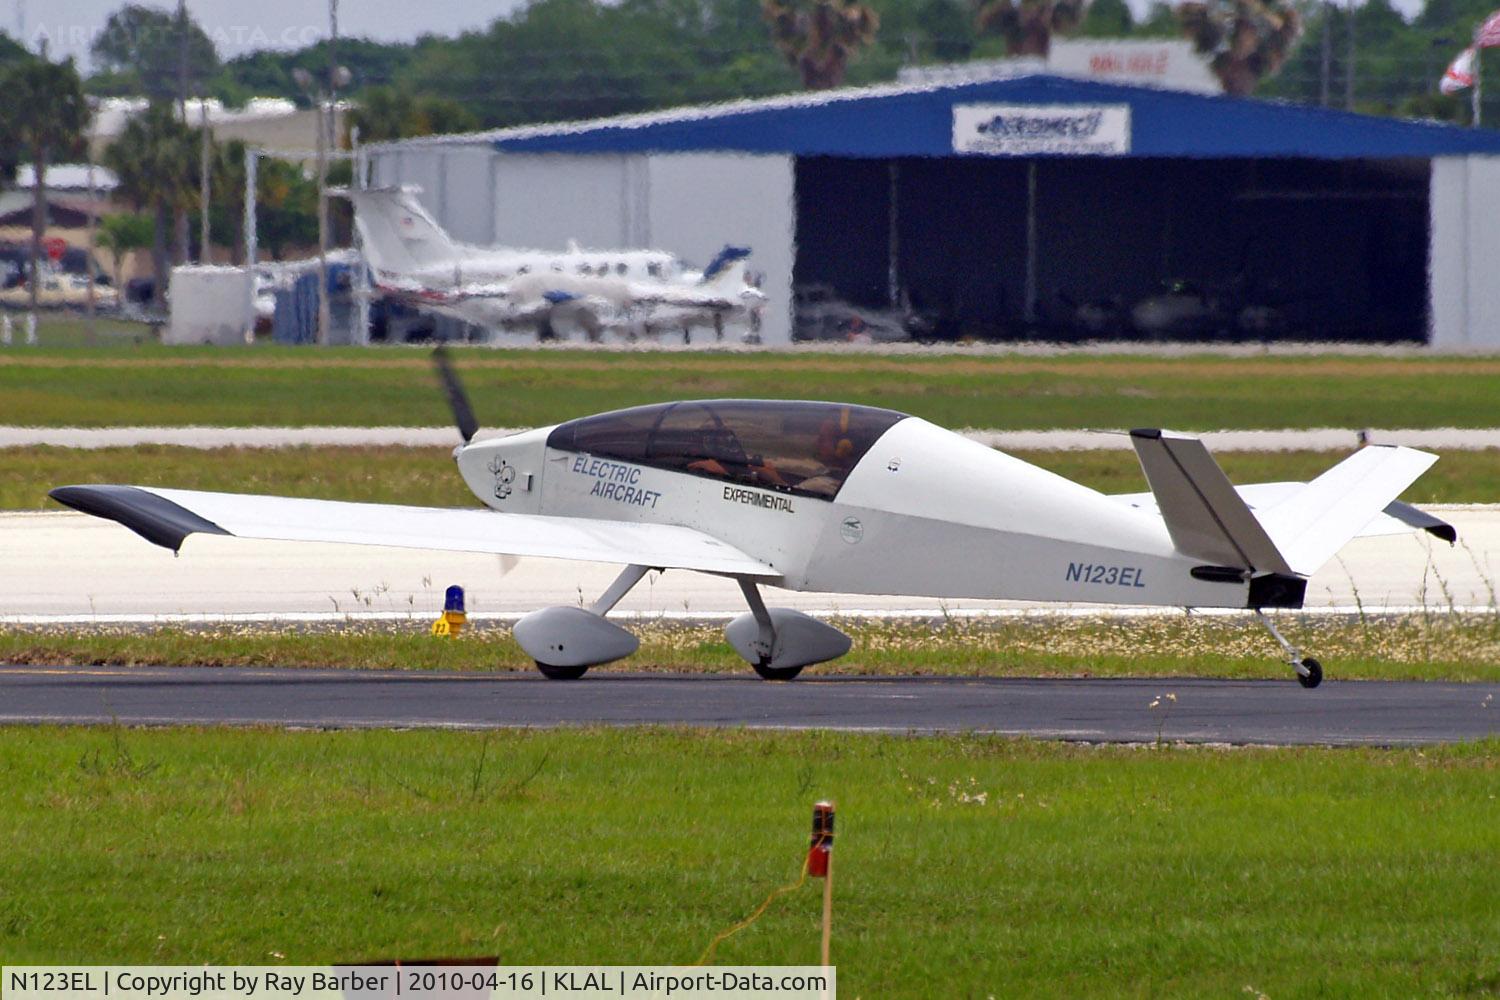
x=1124 y=248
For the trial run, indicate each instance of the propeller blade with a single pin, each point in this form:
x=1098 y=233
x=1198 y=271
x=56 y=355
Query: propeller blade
x=458 y=400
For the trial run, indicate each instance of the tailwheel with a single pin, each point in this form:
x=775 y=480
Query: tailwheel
x=1314 y=675
x=770 y=673
x=1309 y=671
x=556 y=673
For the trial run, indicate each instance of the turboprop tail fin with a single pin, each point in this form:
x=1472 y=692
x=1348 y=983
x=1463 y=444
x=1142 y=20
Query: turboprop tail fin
x=727 y=270
x=1210 y=520
x=399 y=235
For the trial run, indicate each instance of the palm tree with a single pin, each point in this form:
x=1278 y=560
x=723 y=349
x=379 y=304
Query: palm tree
x=228 y=192
x=1247 y=40
x=1028 y=25
x=120 y=233
x=47 y=115
x=820 y=37
x=156 y=160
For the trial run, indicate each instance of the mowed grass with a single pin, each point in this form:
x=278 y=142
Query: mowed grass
x=964 y=866
x=267 y=385
x=1439 y=646
x=428 y=476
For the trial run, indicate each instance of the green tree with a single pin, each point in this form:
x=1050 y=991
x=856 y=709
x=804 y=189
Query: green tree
x=385 y=113
x=819 y=38
x=45 y=121
x=1108 y=19
x=149 y=49
x=1245 y=40
x=156 y=160
x=1027 y=26
x=226 y=210
x=286 y=212
x=1160 y=22
x=120 y=233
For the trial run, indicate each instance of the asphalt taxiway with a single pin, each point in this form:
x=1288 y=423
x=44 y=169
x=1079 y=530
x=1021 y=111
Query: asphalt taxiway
x=1092 y=710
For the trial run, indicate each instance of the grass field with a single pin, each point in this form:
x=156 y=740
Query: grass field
x=964 y=866
x=427 y=476
x=150 y=384
x=1433 y=647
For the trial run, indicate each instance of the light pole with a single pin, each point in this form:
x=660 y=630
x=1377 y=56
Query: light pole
x=338 y=77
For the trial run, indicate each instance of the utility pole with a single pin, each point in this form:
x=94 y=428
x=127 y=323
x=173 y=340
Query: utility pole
x=325 y=315
x=93 y=227
x=321 y=99
x=203 y=180
x=1349 y=62
x=1327 y=74
x=1474 y=94
x=182 y=59
x=333 y=71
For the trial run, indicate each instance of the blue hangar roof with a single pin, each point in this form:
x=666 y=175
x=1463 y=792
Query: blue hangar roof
x=1035 y=115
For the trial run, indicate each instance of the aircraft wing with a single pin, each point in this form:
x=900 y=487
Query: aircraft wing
x=1397 y=518
x=166 y=517
x=703 y=297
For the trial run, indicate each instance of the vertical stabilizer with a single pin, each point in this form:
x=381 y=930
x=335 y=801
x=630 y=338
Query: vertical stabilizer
x=400 y=237
x=1205 y=516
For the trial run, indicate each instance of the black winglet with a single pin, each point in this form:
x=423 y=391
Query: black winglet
x=154 y=518
x=1418 y=518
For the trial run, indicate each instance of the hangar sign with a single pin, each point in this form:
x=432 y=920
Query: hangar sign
x=1042 y=129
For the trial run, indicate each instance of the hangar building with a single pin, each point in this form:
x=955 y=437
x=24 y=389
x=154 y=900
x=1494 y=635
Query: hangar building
x=1000 y=204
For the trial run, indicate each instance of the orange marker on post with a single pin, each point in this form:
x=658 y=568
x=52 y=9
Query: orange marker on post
x=820 y=851
x=820 y=865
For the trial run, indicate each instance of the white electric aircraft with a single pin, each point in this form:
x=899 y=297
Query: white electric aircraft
x=832 y=497
x=637 y=291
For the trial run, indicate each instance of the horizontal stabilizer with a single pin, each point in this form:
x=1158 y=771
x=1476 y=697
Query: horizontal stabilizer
x=1204 y=515
x=1397 y=518
x=167 y=517
x=1311 y=525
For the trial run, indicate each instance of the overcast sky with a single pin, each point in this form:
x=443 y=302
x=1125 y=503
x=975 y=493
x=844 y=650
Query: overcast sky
x=240 y=26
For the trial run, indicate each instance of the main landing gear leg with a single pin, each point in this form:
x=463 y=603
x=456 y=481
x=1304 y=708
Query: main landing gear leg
x=628 y=578
x=764 y=645
x=1309 y=671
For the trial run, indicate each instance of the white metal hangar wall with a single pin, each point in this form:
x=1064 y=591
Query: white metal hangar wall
x=690 y=204
x=690 y=180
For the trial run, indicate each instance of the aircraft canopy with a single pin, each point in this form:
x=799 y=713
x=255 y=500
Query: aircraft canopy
x=790 y=446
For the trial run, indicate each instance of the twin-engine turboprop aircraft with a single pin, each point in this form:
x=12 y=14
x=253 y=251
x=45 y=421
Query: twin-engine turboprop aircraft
x=632 y=291
x=832 y=497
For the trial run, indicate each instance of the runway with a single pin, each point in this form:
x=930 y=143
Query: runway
x=1204 y=711
x=67 y=568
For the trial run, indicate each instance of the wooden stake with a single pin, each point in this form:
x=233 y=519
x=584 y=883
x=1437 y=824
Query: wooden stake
x=827 y=909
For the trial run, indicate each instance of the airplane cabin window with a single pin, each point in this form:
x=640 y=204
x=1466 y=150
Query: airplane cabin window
x=620 y=268
x=798 y=447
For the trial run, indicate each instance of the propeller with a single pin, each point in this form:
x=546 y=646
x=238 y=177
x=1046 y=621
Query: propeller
x=458 y=400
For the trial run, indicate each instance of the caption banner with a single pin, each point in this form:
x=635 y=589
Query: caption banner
x=421 y=982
